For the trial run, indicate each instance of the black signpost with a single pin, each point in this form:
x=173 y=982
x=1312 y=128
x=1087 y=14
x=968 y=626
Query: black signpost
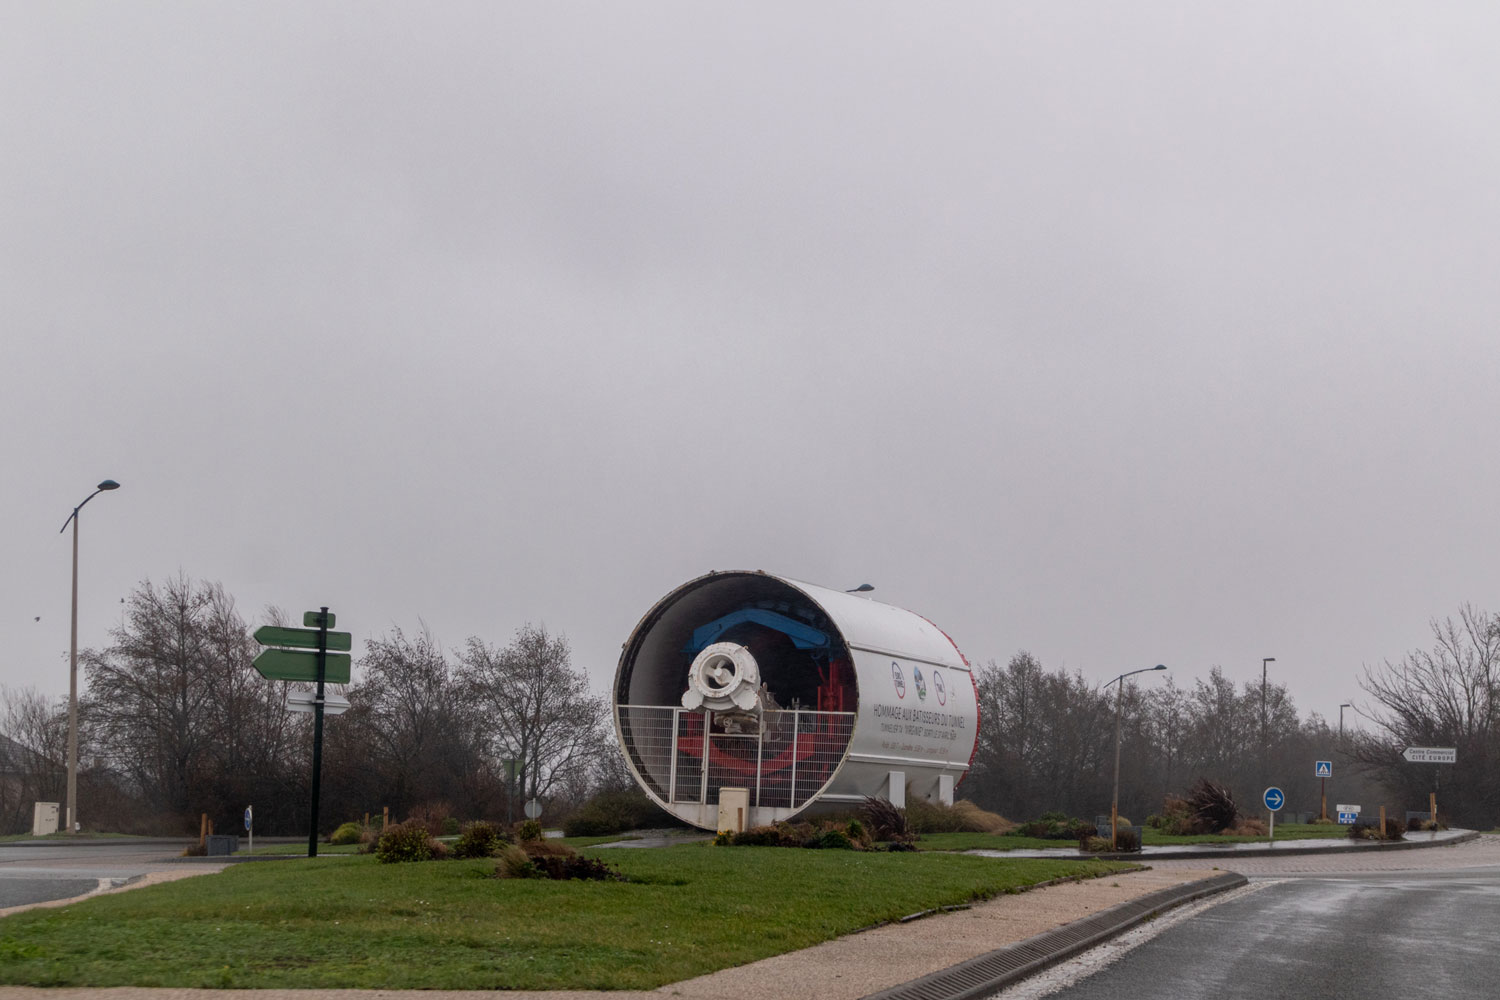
x=280 y=664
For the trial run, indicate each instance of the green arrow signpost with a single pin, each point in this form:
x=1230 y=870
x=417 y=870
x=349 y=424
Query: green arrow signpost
x=301 y=638
x=308 y=660
x=302 y=665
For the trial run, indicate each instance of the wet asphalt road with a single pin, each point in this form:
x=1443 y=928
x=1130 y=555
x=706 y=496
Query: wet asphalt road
x=59 y=870
x=1414 y=934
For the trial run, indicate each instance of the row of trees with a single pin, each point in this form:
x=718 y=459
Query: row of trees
x=1048 y=742
x=1047 y=739
x=175 y=721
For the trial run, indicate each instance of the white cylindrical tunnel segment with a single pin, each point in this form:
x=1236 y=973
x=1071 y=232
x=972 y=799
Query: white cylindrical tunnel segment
x=805 y=697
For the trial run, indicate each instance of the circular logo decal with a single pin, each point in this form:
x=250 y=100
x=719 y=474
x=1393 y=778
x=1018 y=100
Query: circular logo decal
x=898 y=679
x=939 y=688
x=921 y=685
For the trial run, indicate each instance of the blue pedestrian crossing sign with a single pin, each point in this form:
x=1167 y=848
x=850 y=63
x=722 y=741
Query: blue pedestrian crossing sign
x=1323 y=769
x=1273 y=798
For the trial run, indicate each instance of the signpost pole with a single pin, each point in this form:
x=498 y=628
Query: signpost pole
x=317 y=762
x=1323 y=809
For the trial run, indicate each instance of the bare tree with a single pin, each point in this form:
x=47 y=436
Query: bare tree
x=408 y=739
x=1445 y=696
x=157 y=694
x=536 y=707
x=32 y=754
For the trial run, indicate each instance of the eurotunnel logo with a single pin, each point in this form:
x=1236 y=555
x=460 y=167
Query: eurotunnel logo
x=939 y=688
x=921 y=685
x=898 y=679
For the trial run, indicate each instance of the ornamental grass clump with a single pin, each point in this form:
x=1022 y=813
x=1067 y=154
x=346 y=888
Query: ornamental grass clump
x=1213 y=807
x=962 y=816
x=886 y=821
x=1372 y=831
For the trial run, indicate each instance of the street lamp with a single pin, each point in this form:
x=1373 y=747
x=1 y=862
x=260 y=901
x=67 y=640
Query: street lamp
x=108 y=484
x=1347 y=704
x=1263 y=747
x=1114 y=805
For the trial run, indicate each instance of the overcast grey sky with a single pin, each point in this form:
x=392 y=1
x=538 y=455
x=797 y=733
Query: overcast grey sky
x=1125 y=334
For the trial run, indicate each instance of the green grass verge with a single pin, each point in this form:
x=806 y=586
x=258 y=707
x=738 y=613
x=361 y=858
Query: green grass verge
x=446 y=925
x=1154 y=838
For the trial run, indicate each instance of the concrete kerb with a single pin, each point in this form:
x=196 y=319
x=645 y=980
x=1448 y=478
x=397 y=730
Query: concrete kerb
x=1002 y=967
x=1284 y=848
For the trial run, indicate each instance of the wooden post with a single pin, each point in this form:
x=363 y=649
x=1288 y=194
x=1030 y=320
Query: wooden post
x=1432 y=805
x=385 y=818
x=367 y=821
x=203 y=830
x=1382 y=822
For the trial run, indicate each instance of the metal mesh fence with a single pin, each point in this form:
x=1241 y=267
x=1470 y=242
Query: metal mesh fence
x=784 y=757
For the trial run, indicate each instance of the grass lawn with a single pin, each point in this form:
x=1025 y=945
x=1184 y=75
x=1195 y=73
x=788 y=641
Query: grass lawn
x=352 y=922
x=1154 y=838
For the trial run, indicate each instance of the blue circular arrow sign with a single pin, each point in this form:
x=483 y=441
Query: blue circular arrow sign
x=1273 y=798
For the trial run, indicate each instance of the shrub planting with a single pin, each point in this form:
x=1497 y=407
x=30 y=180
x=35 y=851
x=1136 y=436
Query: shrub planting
x=829 y=835
x=480 y=840
x=1054 y=826
x=432 y=815
x=1126 y=839
x=615 y=812
x=538 y=859
x=347 y=833
x=407 y=841
x=528 y=830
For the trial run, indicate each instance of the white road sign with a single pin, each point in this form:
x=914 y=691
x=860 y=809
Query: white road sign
x=302 y=701
x=1431 y=755
x=1322 y=769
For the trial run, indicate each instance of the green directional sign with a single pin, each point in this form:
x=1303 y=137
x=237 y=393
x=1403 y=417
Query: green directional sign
x=302 y=638
x=299 y=665
x=314 y=619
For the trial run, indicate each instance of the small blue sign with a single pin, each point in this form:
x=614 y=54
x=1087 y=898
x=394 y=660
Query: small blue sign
x=1348 y=818
x=249 y=815
x=1323 y=769
x=1273 y=798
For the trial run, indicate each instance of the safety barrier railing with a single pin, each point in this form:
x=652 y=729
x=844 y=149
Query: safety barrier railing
x=784 y=757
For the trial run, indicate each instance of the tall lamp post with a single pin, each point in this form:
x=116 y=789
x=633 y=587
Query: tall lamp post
x=1114 y=805
x=1264 y=747
x=1347 y=704
x=108 y=484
